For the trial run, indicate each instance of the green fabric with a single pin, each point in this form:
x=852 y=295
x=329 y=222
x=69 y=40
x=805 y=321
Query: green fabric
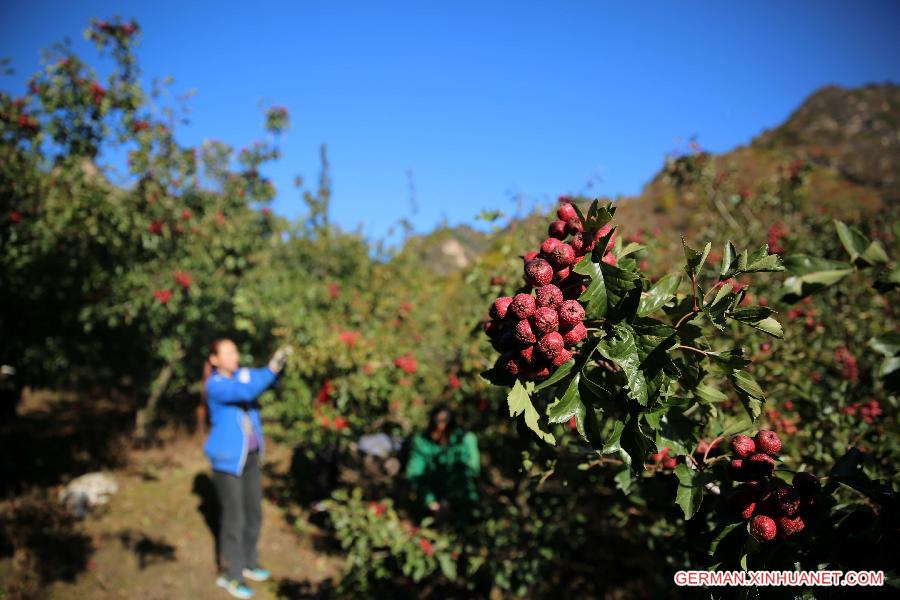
x=439 y=473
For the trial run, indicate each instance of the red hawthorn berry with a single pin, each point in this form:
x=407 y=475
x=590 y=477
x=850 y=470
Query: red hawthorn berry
x=493 y=329
x=15 y=217
x=163 y=296
x=510 y=364
x=566 y=212
x=527 y=354
x=765 y=347
x=562 y=256
x=669 y=463
x=139 y=126
x=768 y=442
x=522 y=306
x=548 y=296
x=340 y=423
x=737 y=469
x=573 y=423
x=426 y=546
x=575 y=335
x=524 y=333
x=788 y=405
x=549 y=245
x=551 y=344
x=325 y=422
x=530 y=256
x=815 y=377
x=538 y=272
x=453 y=382
x=220 y=218
x=128 y=28
x=266 y=211
x=571 y=313
x=183 y=279
x=557 y=229
x=574 y=226
x=540 y=373
x=788 y=501
x=562 y=275
x=759 y=465
x=790 y=526
x=744 y=500
x=377 y=507
x=763 y=528
x=743 y=446
x=156 y=227
x=763 y=302
x=582 y=243
x=334 y=290
x=500 y=306
x=186 y=215
x=659 y=456
x=325 y=392
x=806 y=483
x=544 y=320
x=349 y=338
x=561 y=358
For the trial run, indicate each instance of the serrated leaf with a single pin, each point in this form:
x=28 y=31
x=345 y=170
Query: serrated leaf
x=762 y=262
x=729 y=256
x=694 y=260
x=853 y=240
x=560 y=373
x=663 y=291
x=594 y=297
x=759 y=317
x=709 y=394
x=689 y=495
x=519 y=403
x=623 y=351
x=749 y=392
x=875 y=254
x=568 y=406
x=631 y=248
x=733 y=359
x=810 y=274
x=623 y=292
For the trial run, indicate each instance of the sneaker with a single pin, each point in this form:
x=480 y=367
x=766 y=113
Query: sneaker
x=256 y=574
x=234 y=587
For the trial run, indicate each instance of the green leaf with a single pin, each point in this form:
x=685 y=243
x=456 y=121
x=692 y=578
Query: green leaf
x=875 y=254
x=659 y=294
x=623 y=351
x=594 y=297
x=759 y=317
x=690 y=490
x=448 y=566
x=630 y=249
x=750 y=393
x=561 y=372
x=729 y=258
x=520 y=403
x=694 y=260
x=854 y=241
x=887 y=280
x=568 y=406
x=733 y=359
x=810 y=274
x=709 y=394
x=623 y=292
x=762 y=262
x=676 y=432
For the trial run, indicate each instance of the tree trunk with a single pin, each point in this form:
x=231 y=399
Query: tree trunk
x=146 y=416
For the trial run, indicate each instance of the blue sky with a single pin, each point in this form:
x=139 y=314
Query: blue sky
x=476 y=103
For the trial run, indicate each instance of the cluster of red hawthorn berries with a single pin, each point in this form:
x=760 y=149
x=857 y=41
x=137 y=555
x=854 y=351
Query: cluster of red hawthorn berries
x=847 y=362
x=536 y=333
x=868 y=411
x=776 y=233
x=773 y=507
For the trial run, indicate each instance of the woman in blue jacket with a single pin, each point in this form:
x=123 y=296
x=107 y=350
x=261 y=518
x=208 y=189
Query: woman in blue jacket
x=234 y=448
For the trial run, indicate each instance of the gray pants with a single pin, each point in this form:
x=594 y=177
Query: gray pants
x=241 y=500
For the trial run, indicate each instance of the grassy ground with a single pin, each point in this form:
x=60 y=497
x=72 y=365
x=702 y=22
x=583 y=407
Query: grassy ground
x=155 y=538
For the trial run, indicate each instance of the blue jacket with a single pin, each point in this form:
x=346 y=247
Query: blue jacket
x=228 y=398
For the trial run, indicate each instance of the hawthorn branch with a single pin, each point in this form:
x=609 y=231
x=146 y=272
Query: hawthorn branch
x=692 y=349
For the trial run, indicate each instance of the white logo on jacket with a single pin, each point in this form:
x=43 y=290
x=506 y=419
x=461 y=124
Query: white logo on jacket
x=244 y=375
